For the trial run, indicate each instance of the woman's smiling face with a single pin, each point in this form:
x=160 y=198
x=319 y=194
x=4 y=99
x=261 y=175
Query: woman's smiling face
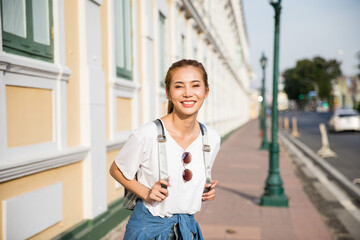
x=187 y=90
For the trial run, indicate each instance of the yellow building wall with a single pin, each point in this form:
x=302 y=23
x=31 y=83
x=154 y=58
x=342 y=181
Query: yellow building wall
x=104 y=58
x=71 y=178
x=253 y=111
x=113 y=192
x=29 y=115
x=124 y=114
x=73 y=62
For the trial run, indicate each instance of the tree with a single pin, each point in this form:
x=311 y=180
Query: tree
x=311 y=75
x=357 y=107
x=358 y=66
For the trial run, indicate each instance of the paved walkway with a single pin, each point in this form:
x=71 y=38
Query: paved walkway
x=241 y=169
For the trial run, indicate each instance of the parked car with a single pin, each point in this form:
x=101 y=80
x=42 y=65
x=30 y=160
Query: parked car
x=344 y=120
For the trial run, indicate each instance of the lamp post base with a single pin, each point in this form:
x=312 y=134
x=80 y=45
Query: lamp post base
x=274 y=191
x=264 y=145
x=274 y=201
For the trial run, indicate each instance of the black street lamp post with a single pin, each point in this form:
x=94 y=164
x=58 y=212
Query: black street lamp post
x=264 y=143
x=274 y=192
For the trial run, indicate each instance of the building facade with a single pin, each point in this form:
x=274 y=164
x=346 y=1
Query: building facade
x=77 y=77
x=346 y=91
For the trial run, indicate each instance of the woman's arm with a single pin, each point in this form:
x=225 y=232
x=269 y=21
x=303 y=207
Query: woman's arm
x=157 y=193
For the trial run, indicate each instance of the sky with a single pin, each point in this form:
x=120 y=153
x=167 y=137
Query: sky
x=308 y=28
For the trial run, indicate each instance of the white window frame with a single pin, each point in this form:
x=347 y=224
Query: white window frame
x=120 y=86
x=161 y=7
x=23 y=71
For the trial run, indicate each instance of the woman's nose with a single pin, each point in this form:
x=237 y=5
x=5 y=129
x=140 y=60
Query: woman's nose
x=188 y=92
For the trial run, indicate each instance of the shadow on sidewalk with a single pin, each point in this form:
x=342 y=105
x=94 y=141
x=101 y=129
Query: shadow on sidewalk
x=253 y=199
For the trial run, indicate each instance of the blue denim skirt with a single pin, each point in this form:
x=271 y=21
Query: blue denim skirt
x=143 y=225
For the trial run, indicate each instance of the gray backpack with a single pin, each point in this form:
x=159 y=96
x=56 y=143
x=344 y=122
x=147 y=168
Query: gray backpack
x=130 y=198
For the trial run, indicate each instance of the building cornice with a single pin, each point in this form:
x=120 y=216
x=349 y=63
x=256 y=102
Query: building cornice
x=10 y=63
x=190 y=12
x=243 y=19
x=41 y=163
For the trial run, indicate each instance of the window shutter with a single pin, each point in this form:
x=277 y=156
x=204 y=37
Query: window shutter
x=22 y=42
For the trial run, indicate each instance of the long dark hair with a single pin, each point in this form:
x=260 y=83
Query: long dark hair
x=180 y=64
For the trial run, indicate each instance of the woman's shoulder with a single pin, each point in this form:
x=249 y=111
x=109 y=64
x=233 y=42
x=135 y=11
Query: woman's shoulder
x=212 y=133
x=146 y=132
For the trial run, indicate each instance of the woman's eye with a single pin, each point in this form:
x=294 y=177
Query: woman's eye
x=196 y=85
x=178 y=86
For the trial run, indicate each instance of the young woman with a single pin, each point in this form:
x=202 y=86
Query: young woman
x=168 y=213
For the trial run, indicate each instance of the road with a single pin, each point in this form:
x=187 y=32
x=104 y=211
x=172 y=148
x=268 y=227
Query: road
x=345 y=144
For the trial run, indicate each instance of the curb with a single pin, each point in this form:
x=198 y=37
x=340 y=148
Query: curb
x=322 y=172
x=332 y=173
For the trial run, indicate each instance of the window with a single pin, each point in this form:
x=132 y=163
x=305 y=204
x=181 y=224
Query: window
x=162 y=48
x=27 y=28
x=182 y=51
x=123 y=39
x=239 y=56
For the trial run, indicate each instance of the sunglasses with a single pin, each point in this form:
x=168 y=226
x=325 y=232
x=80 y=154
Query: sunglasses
x=187 y=173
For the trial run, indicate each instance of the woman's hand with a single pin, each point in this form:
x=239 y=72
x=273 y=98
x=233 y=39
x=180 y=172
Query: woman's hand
x=210 y=195
x=157 y=192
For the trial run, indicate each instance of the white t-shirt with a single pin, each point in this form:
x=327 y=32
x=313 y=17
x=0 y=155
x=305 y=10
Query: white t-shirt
x=140 y=155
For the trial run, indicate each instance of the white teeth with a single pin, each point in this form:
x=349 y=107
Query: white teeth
x=188 y=102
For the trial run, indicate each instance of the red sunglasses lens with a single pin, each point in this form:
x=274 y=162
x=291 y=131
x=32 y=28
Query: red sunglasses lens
x=187 y=175
x=186 y=157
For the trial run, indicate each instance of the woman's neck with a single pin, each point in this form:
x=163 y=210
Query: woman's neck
x=182 y=125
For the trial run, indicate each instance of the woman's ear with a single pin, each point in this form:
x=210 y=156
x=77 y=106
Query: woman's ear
x=206 y=91
x=168 y=95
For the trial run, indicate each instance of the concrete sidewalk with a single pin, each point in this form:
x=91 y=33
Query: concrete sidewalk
x=241 y=169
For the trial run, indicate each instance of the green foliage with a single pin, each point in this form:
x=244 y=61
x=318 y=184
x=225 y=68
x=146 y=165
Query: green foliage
x=308 y=75
x=358 y=66
x=357 y=107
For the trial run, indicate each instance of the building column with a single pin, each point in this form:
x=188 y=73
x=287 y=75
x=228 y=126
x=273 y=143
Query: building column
x=147 y=62
x=92 y=109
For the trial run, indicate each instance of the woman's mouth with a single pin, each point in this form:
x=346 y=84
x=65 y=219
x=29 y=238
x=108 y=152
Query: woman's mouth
x=188 y=104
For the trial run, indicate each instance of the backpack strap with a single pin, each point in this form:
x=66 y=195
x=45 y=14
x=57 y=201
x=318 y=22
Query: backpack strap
x=206 y=151
x=161 y=139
